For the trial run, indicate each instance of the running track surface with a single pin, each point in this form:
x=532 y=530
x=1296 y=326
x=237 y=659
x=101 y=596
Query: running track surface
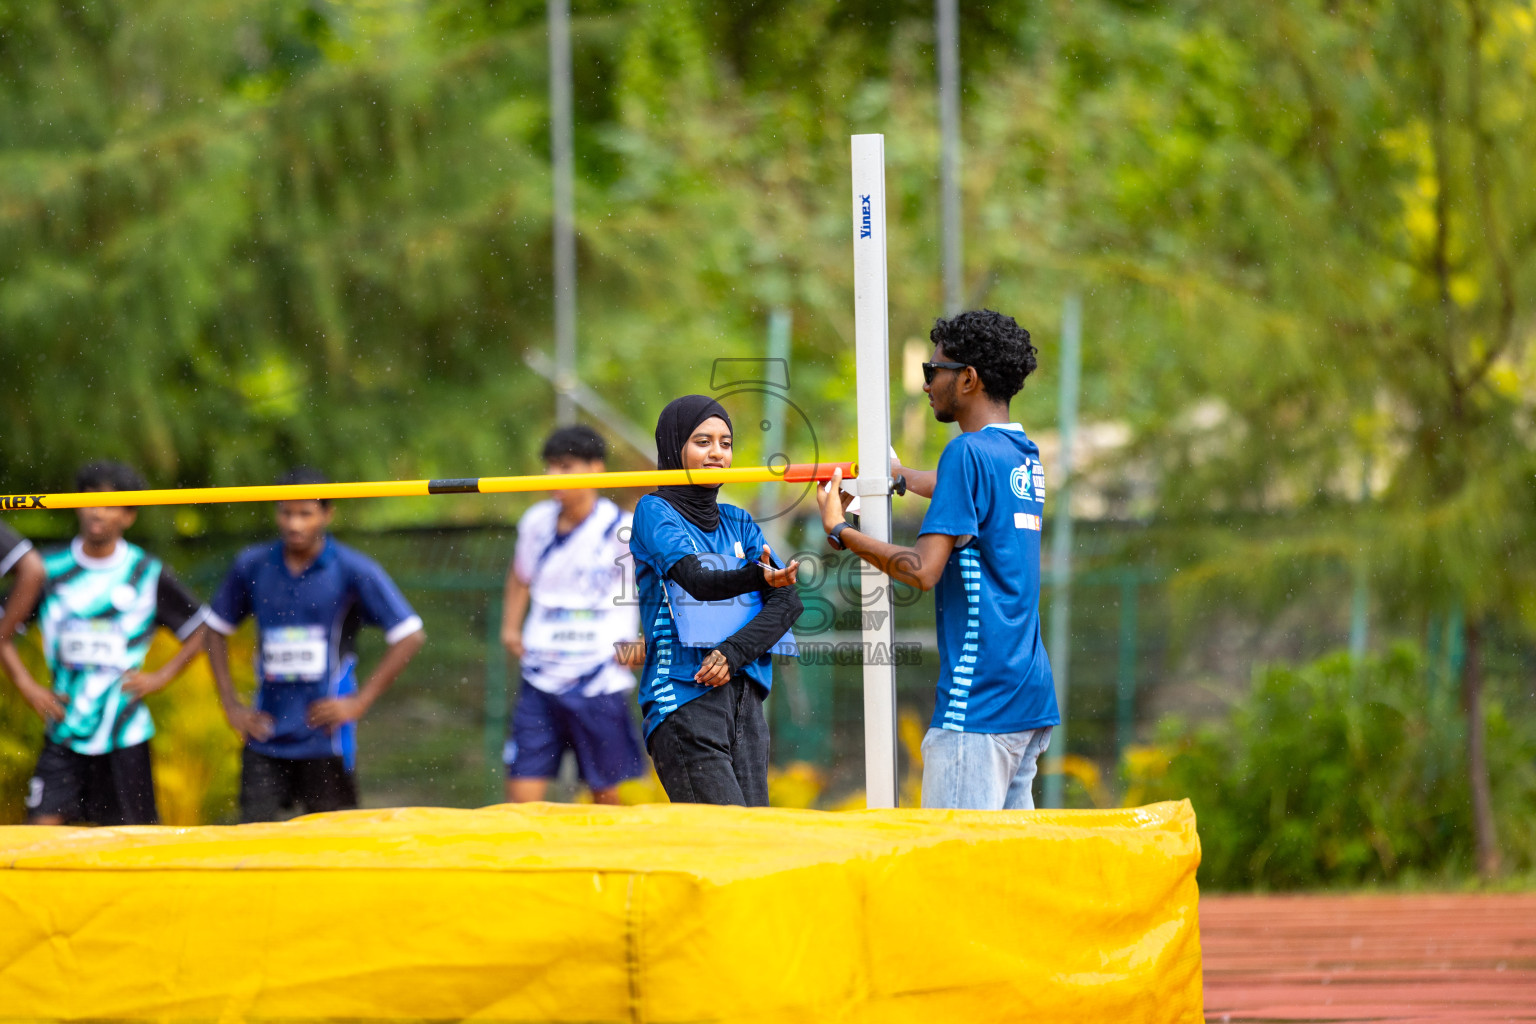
x=1398 y=959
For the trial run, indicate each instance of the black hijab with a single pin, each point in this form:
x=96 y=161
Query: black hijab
x=695 y=502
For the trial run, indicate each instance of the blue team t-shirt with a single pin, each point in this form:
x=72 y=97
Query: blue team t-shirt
x=660 y=539
x=307 y=628
x=995 y=675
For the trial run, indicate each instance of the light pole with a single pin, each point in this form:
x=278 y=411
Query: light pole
x=948 y=32
x=561 y=161
x=1060 y=649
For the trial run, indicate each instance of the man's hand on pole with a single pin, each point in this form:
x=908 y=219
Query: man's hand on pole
x=833 y=512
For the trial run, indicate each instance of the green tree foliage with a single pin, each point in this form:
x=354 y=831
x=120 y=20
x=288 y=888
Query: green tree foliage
x=239 y=235
x=234 y=238
x=1336 y=202
x=1338 y=774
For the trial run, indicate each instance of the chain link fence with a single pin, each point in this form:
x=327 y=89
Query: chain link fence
x=1140 y=653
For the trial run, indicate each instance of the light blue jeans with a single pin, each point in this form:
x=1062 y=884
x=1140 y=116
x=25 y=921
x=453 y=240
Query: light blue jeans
x=982 y=771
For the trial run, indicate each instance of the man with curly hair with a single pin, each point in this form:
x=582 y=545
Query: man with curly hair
x=979 y=545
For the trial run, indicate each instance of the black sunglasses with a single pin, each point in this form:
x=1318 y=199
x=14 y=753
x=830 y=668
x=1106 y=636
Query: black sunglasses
x=930 y=368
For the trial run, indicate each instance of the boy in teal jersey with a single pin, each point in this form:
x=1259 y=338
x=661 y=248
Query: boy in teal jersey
x=103 y=602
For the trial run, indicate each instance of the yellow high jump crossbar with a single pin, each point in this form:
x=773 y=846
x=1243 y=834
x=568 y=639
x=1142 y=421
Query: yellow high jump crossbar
x=791 y=473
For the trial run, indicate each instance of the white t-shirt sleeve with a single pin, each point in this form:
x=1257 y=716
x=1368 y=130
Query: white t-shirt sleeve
x=534 y=532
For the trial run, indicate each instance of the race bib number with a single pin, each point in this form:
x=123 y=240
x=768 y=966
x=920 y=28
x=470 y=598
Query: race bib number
x=293 y=654
x=92 y=643
x=573 y=634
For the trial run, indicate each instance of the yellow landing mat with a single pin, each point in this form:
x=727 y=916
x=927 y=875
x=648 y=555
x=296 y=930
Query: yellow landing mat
x=629 y=914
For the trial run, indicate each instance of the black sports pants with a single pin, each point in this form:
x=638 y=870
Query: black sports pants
x=714 y=749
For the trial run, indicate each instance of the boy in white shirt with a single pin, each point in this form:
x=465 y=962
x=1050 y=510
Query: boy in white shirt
x=574 y=632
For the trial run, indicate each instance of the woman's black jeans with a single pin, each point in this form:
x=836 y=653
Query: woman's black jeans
x=714 y=749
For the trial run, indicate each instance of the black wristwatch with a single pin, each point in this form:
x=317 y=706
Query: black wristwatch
x=835 y=536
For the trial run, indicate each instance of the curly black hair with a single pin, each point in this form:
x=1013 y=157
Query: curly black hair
x=994 y=344
x=105 y=475
x=578 y=442
x=306 y=475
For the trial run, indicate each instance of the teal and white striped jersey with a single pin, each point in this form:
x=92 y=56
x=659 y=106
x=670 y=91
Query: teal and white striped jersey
x=97 y=617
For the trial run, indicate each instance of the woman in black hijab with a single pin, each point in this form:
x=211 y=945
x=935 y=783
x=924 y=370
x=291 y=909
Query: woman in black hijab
x=674 y=428
x=714 y=606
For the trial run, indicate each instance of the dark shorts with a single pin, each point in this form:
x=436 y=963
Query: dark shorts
x=273 y=788
x=116 y=788
x=601 y=730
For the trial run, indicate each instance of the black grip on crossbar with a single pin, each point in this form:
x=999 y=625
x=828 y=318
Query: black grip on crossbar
x=466 y=485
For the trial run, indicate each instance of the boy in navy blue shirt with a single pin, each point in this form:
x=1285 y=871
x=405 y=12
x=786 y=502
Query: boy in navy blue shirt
x=979 y=545
x=310 y=596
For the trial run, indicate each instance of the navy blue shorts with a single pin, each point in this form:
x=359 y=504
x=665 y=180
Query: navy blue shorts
x=601 y=730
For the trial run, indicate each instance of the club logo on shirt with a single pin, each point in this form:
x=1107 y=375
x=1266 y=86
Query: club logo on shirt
x=1021 y=480
x=123 y=596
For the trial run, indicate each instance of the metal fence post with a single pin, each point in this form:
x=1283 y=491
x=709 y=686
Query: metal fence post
x=1059 y=648
x=1125 y=677
x=495 y=701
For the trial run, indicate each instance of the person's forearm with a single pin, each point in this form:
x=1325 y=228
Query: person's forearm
x=919 y=481
x=905 y=565
x=390 y=666
x=191 y=648
x=705 y=584
x=218 y=664
x=10 y=660
x=630 y=653
x=921 y=566
x=30 y=577
x=514 y=606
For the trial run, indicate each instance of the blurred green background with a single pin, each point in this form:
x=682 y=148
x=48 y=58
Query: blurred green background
x=237 y=235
